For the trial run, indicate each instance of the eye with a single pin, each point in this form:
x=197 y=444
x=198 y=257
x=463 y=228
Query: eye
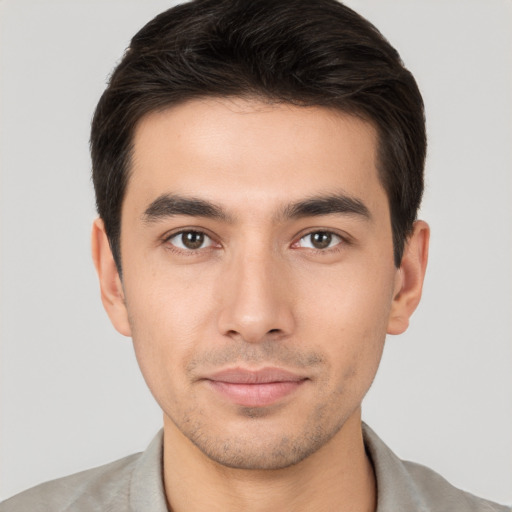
x=319 y=240
x=190 y=240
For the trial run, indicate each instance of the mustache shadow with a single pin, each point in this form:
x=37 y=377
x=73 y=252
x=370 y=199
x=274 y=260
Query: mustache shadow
x=270 y=352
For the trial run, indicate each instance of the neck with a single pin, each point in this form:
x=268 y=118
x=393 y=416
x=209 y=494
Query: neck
x=339 y=476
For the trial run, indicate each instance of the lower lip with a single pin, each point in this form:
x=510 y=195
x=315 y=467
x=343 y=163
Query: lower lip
x=255 y=395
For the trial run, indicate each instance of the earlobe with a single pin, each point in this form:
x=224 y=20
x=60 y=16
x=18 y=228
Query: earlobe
x=112 y=294
x=409 y=278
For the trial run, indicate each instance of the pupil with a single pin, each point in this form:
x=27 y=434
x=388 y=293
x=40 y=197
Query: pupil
x=321 y=240
x=193 y=239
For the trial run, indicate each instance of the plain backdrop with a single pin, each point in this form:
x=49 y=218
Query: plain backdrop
x=71 y=393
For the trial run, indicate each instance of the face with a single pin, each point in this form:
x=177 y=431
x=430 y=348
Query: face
x=258 y=276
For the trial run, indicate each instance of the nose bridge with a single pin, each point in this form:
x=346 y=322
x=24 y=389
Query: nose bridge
x=255 y=298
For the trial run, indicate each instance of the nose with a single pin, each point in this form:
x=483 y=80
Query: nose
x=256 y=299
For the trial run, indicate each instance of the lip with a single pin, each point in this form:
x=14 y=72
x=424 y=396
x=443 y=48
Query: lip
x=254 y=388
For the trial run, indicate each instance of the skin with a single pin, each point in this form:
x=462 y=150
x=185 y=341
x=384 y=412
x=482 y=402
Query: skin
x=259 y=292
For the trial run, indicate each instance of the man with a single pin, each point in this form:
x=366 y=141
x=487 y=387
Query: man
x=258 y=169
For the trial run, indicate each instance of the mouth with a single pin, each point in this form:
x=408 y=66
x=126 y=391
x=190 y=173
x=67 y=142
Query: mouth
x=254 y=388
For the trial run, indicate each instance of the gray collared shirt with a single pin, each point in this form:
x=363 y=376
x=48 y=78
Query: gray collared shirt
x=135 y=484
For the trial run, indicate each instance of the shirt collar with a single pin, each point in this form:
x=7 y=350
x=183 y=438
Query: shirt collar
x=147 y=482
x=395 y=489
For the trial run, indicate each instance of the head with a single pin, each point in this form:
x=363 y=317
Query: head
x=298 y=52
x=258 y=168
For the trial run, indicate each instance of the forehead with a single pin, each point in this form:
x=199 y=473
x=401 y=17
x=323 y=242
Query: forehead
x=234 y=151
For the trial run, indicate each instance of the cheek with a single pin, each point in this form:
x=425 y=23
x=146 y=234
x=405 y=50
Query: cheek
x=346 y=298
x=347 y=314
x=169 y=306
x=168 y=316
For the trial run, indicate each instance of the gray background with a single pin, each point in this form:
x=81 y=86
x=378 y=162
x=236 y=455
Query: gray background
x=71 y=394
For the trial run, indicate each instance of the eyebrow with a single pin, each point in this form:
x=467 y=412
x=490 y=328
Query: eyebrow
x=327 y=205
x=170 y=205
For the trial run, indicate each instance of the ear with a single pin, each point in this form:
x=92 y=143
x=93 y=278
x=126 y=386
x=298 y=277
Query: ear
x=409 y=278
x=112 y=293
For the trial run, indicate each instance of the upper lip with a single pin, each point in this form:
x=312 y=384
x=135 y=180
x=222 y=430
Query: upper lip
x=261 y=376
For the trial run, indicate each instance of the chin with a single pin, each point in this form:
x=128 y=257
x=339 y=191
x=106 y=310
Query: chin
x=248 y=456
x=261 y=450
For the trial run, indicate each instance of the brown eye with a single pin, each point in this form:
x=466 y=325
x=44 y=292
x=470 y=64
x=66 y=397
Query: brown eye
x=190 y=240
x=319 y=240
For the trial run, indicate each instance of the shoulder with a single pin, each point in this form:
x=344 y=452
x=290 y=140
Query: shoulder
x=130 y=484
x=103 y=488
x=403 y=486
x=440 y=495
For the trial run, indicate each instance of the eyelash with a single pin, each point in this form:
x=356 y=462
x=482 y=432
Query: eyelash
x=186 y=251
x=343 y=241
